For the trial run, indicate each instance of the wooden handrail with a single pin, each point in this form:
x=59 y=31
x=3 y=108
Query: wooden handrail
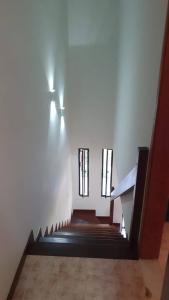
x=135 y=179
x=139 y=195
x=126 y=184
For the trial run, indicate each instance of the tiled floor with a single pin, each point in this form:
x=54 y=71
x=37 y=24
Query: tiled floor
x=87 y=279
x=65 y=278
x=80 y=278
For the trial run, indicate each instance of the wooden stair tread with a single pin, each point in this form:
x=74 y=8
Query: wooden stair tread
x=91 y=231
x=87 y=225
x=81 y=240
x=85 y=234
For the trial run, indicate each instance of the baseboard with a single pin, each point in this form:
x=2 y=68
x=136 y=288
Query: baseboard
x=20 y=267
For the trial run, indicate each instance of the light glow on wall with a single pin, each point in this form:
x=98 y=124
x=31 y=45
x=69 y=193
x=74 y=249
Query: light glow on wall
x=62 y=123
x=61 y=99
x=52 y=111
x=51 y=84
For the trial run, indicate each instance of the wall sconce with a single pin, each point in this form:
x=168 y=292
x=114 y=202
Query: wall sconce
x=51 y=93
x=60 y=109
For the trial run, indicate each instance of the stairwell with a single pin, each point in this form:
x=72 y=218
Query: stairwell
x=86 y=237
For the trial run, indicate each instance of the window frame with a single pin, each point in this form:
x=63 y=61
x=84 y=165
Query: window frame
x=79 y=173
x=111 y=176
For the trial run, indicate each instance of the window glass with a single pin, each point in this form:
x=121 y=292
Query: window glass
x=107 y=162
x=84 y=172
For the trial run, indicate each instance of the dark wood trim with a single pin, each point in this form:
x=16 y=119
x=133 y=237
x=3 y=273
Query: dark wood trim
x=111 y=210
x=20 y=267
x=165 y=290
x=139 y=195
x=126 y=184
x=56 y=227
x=39 y=235
x=157 y=188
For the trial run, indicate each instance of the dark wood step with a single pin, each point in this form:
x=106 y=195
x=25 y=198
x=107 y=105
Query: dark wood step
x=108 y=234
x=85 y=235
x=115 y=251
x=96 y=226
x=88 y=229
x=82 y=240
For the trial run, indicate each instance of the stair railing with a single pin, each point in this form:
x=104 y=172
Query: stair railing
x=134 y=181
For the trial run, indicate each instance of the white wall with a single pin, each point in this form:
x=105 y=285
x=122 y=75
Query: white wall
x=91 y=86
x=114 y=61
x=35 y=185
x=112 y=100
x=140 y=43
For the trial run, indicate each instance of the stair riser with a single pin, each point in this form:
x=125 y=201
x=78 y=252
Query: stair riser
x=94 y=251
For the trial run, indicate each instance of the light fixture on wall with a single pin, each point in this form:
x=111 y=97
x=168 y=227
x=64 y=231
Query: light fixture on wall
x=52 y=91
x=52 y=105
x=52 y=111
x=61 y=100
x=59 y=109
x=62 y=123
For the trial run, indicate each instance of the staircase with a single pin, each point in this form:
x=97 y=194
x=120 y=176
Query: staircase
x=86 y=237
x=84 y=240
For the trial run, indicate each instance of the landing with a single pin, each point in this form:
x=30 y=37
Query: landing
x=58 y=278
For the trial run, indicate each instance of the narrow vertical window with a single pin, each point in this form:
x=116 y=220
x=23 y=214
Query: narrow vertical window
x=83 y=172
x=107 y=163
